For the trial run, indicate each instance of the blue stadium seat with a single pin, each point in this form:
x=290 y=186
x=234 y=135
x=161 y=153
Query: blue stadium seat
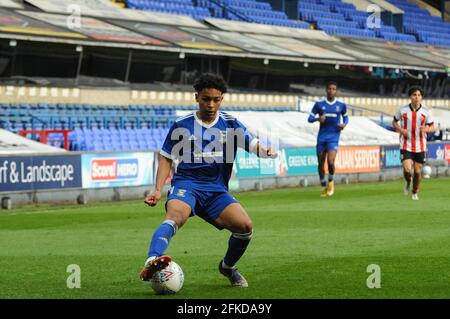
x=92 y=135
x=419 y=23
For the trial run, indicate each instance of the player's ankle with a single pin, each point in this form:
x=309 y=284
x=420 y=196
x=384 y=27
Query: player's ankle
x=225 y=266
x=150 y=259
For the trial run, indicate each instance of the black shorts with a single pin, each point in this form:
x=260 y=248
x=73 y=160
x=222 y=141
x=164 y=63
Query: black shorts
x=416 y=157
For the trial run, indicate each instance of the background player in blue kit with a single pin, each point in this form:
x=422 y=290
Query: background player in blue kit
x=200 y=183
x=328 y=112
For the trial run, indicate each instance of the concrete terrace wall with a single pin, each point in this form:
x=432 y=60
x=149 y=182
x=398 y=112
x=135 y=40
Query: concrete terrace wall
x=115 y=96
x=118 y=96
x=386 y=105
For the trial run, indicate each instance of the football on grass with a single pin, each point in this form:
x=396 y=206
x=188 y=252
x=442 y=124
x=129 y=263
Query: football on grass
x=168 y=280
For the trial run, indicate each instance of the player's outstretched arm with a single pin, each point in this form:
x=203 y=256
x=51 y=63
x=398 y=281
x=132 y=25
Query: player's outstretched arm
x=312 y=118
x=345 y=119
x=164 y=167
x=263 y=152
x=316 y=115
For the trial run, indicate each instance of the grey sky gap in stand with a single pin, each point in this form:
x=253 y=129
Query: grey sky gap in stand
x=175 y=35
x=242 y=41
x=390 y=51
x=302 y=48
x=96 y=29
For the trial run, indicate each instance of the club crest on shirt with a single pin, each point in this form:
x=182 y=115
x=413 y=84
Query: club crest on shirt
x=181 y=192
x=337 y=108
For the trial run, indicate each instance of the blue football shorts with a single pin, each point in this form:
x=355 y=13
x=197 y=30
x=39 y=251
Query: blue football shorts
x=207 y=205
x=326 y=146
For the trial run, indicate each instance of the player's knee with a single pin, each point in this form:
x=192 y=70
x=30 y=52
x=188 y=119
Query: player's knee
x=178 y=218
x=245 y=228
x=331 y=162
x=179 y=214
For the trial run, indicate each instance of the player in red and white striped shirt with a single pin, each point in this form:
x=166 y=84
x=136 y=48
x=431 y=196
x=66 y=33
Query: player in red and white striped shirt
x=413 y=122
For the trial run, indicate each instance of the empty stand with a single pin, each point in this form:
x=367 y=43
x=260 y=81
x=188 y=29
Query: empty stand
x=100 y=127
x=420 y=23
x=343 y=19
x=332 y=16
x=181 y=7
x=239 y=10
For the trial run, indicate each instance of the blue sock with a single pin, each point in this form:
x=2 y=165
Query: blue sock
x=161 y=238
x=236 y=247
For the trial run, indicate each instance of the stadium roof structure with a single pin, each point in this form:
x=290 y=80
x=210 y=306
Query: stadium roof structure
x=11 y=143
x=11 y=4
x=105 y=24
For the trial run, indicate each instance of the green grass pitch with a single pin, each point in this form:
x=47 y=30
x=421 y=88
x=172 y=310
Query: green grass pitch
x=304 y=246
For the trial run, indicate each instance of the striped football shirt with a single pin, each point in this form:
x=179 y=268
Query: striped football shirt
x=411 y=121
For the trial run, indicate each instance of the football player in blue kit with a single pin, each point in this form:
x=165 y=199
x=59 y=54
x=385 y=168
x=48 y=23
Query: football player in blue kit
x=328 y=112
x=203 y=144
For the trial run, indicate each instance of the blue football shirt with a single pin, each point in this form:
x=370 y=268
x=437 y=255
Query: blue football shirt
x=329 y=131
x=204 y=154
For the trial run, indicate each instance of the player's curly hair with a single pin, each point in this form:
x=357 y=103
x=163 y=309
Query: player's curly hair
x=210 y=81
x=413 y=90
x=331 y=83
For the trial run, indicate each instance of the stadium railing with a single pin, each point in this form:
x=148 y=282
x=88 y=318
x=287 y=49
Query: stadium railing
x=45 y=133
